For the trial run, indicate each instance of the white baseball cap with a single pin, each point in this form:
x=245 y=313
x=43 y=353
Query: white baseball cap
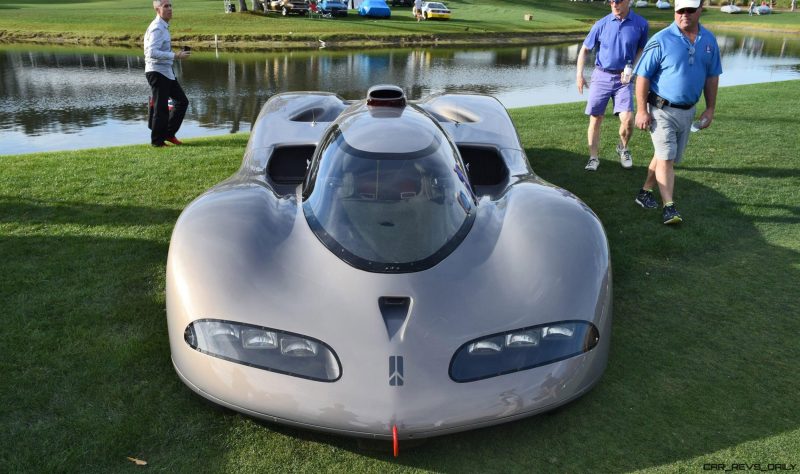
x=681 y=4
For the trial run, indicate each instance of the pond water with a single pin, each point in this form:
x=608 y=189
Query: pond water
x=62 y=99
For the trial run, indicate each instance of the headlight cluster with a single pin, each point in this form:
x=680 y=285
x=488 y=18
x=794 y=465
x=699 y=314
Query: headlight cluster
x=264 y=348
x=522 y=349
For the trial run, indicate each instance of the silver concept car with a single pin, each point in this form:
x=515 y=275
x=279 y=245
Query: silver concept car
x=388 y=269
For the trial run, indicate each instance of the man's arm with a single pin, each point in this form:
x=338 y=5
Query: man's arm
x=581 y=62
x=153 y=39
x=710 y=93
x=642 y=113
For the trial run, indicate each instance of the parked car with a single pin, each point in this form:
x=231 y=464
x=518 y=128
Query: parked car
x=333 y=7
x=375 y=9
x=762 y=10
x=388 y=269
x=731 y=8
x=432 y=10
x=298 y=7
x=403 y=3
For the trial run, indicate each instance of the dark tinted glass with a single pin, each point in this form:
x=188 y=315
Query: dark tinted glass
x=389 y=210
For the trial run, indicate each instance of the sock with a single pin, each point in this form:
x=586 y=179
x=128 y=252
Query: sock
x=667 y=204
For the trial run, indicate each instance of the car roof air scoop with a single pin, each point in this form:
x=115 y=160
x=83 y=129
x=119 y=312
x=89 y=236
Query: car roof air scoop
x=386 y=95
x=394 y=310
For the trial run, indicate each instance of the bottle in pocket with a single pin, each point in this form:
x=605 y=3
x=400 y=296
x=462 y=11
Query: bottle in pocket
x=627 y=73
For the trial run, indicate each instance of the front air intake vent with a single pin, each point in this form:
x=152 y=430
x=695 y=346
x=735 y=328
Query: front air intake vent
x=386 y=96
x=394 y=311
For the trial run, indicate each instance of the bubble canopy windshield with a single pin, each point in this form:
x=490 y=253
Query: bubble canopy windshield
x=387 y=191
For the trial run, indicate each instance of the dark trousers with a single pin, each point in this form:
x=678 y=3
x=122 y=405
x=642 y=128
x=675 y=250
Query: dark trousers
x=165 y=123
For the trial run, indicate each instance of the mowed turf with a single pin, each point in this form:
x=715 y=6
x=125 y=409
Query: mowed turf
x=198 y=22
x=704 y=361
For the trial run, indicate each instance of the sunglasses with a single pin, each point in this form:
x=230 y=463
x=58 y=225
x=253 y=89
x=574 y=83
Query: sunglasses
x=686 y=11
x=617 y=1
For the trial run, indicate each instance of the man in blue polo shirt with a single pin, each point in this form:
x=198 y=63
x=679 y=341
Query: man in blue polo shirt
x=679 y=63
x=619 y=38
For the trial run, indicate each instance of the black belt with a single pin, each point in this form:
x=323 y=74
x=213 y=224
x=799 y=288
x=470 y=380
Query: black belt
x=659 y=102
x=609 y=71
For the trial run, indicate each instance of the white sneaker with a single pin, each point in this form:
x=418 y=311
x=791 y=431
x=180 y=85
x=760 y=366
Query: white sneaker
x=592 y=164
x=625 y=158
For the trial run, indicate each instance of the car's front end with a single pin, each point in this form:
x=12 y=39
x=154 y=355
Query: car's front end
x=333 y=7
x=318 y=345
x=294 y=7
x=436 y=11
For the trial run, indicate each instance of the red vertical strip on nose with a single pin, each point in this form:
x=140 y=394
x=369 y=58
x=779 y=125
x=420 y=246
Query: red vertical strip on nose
x=395 y=441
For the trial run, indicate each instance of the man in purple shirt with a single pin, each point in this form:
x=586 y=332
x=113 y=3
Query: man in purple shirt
x=619 y=38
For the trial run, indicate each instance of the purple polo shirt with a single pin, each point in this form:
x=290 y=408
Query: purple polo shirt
x=617 y=41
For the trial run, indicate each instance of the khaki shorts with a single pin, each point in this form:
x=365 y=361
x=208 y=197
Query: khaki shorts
x=670 y=132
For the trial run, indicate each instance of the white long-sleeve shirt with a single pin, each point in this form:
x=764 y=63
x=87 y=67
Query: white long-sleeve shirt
x=158 y=55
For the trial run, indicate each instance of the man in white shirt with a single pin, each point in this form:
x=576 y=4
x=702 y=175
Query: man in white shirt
x=158 y=58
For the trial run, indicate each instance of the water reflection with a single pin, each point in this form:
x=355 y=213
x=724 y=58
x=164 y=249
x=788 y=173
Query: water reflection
x=53 y=100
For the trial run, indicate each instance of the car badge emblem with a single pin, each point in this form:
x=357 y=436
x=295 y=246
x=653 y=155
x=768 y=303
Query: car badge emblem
x=396 y=371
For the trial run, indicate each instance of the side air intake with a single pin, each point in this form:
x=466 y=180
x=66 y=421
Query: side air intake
x=386 y=95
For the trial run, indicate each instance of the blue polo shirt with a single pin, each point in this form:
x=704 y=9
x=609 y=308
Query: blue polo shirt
x=678 y=69
x=617 y=41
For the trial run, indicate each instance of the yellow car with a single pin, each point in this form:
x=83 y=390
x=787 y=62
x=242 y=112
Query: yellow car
x=431 y=10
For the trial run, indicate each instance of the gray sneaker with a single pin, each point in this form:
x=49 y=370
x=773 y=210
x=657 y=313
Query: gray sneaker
x=592 y=164
x=625 y=158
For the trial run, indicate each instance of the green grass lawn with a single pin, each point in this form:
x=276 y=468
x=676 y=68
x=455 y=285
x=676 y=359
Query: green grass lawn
x=704 y=361
x=122 y=22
